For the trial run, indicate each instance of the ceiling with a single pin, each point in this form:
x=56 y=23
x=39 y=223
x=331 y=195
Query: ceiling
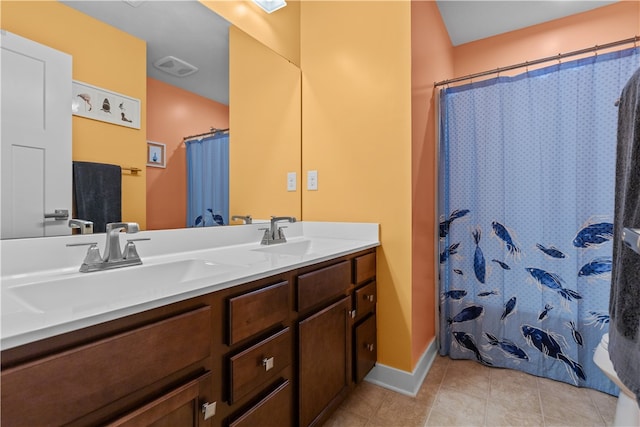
x=185 y=29
x=190 y=31
x=472 y=20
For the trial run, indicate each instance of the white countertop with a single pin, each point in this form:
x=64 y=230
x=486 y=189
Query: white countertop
x=44 y=295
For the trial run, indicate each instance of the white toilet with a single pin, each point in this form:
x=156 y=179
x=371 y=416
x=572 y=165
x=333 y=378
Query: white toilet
x=627 y=411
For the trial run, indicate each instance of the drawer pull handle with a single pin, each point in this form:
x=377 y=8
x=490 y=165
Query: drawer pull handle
x=369 y=347
x=369 y=298
x=353 y=314
x=209 y=410
x=267 y=362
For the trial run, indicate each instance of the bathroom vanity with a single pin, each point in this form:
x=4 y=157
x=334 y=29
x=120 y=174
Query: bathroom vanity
x=279 y=341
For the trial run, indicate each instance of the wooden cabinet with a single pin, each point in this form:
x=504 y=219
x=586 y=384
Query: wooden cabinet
x=120 y=373
x=258 y=357
x=274 y=410
x=280 y=351
x=365 y=347
x=320 y=286
x=365 y=297
x=179 y=407
x=324 y=365
x=255 y=311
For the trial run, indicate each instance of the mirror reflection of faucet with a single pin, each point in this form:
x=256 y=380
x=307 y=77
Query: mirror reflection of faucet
x=113 y=257
x=274 y=234
x=85 y=227
x=245 y=219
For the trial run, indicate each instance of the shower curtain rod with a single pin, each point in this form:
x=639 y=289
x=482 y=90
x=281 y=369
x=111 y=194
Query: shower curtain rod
x=539 y=61
x=213 y=131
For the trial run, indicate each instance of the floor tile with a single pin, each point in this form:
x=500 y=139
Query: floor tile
x=342 y=418
x=566 y=403
x=454 y=408
x=366 y=399
x=402 y=410
x=468 y=377
x=466 y=393
x=605 y=403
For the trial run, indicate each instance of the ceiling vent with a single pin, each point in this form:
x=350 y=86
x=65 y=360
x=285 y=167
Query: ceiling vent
x=174 y=66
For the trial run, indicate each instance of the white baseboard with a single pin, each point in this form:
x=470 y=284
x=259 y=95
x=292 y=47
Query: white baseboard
x=402 y=381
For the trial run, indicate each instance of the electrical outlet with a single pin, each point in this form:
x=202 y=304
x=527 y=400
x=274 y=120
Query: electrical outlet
x=291 y=181
x=312 y=180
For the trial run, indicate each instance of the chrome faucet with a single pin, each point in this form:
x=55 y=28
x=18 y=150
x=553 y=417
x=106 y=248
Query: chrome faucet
x=246 y=219
x=112 y=251
x=113 y=257
x=274 y=234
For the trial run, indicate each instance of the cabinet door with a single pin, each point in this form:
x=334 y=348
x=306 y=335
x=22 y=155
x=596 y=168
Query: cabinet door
x=365 y=347
x=324 y=367
x=179 y=407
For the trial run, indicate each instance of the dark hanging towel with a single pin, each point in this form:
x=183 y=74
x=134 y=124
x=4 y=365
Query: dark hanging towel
x=97 y=193
x=624 y=304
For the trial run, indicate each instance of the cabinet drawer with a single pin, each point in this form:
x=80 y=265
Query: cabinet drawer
x=365 y=347
x=272 y=411
x=258 y=310
x=365 y=266
x=366 y=299
x=179 y=407
x=61 y=388
x=258 y=364
x=323 y=284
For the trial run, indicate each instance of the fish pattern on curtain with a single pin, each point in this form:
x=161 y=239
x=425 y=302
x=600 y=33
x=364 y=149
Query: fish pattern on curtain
x=527 y=167
x=208 y=181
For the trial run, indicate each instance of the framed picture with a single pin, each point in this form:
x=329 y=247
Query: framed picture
x=156 y=154
x=96 y=103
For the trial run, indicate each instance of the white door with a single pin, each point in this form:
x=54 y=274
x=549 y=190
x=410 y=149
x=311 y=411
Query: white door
x=36 y=138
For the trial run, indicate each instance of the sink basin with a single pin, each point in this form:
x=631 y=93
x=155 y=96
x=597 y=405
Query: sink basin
x=86 y=291
x=299 y=248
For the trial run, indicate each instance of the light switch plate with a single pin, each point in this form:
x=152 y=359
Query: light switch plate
x=312 y=180
x=291 y=181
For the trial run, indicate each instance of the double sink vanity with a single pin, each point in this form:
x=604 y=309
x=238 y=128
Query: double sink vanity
x=213 y=329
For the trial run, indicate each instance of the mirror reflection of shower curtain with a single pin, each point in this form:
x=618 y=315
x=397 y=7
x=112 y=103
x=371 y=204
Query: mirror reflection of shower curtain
x=208 y=181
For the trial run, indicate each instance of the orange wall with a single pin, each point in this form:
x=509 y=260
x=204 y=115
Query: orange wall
x=431 y=60
x=596 y=27
x=356 y=132
x=172 y=114
x=98 y=52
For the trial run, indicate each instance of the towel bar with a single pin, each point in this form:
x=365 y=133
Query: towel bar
x=134 y=170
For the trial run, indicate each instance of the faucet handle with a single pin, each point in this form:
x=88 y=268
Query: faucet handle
x=130 y=252
x=91 y=258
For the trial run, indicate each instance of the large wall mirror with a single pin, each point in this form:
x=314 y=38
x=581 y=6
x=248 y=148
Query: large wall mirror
x=240 y=84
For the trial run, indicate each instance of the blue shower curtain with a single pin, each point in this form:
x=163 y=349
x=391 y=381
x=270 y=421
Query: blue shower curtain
x=208 y=181
x=526 y=209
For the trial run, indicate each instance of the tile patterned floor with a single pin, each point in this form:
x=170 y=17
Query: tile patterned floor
x=465 y=393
